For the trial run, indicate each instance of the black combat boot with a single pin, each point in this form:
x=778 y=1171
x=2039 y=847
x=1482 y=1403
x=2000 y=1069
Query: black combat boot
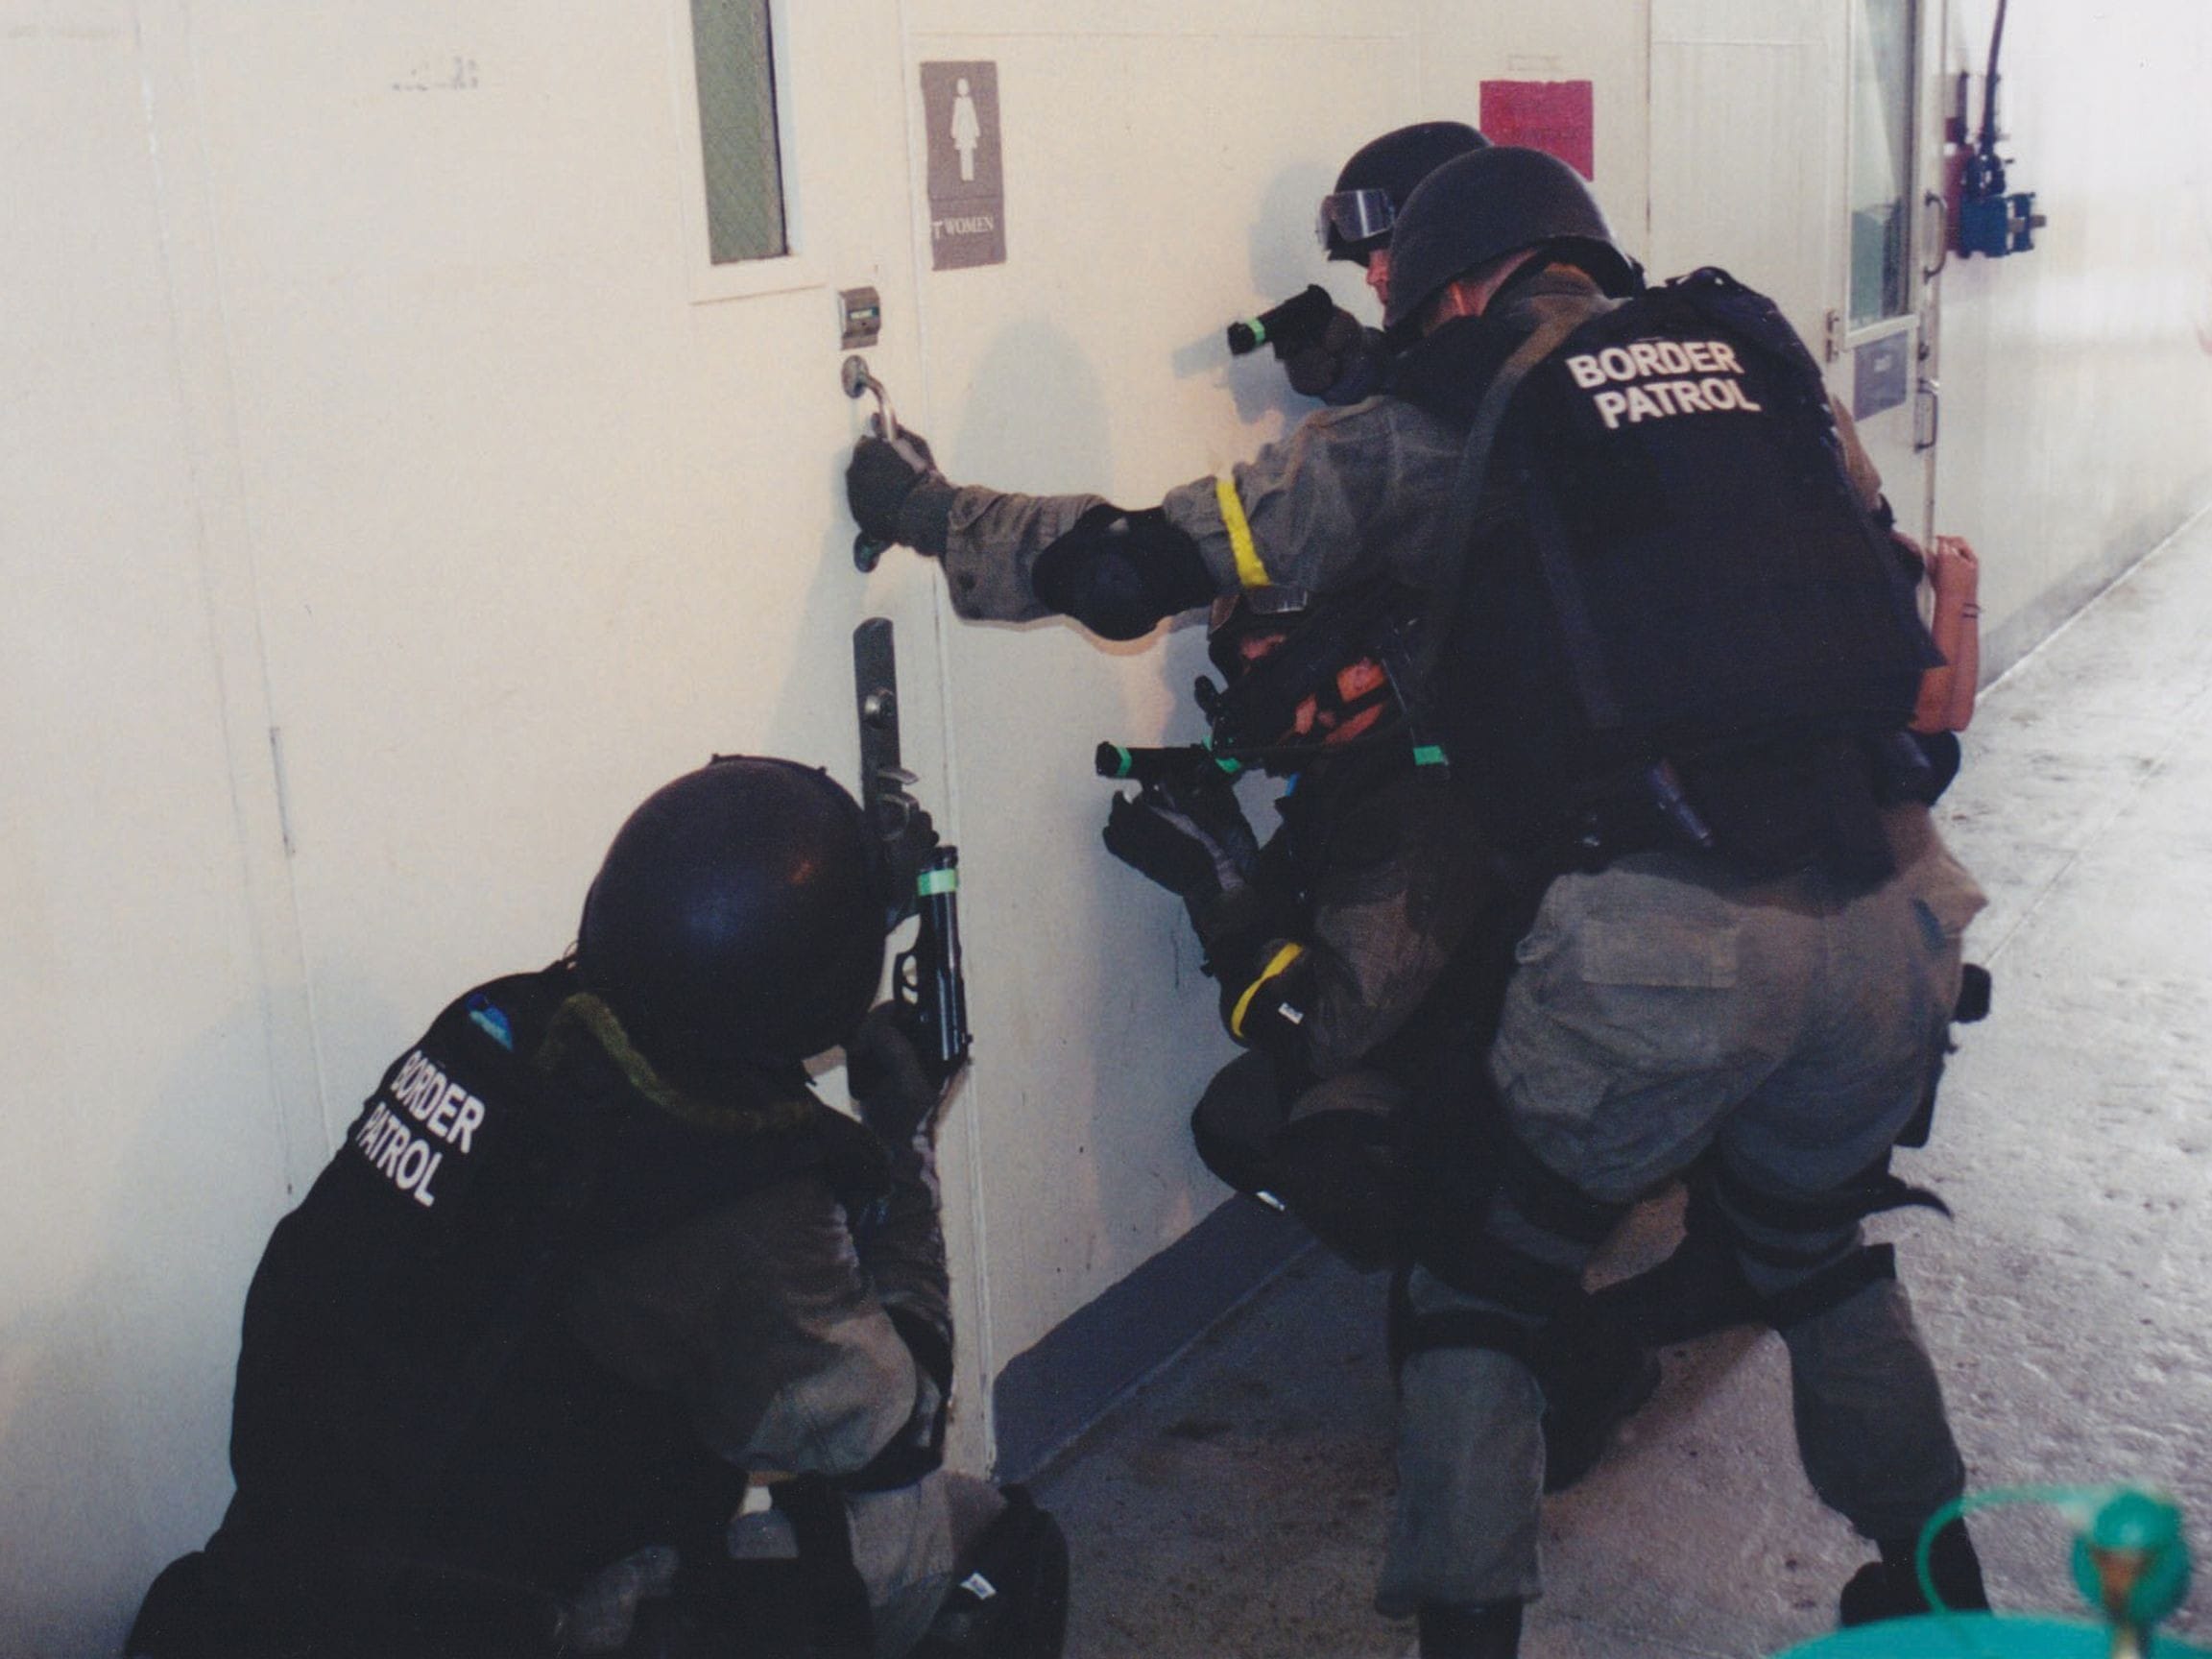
x=1488 y=1631
x=1593 y=1379
x=1891 y=1588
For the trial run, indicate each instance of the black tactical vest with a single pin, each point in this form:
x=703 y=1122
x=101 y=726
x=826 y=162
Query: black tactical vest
x=405 y=1381
x=1689 y=573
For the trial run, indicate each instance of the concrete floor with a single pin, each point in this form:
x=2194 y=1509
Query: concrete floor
x=1237 y=1504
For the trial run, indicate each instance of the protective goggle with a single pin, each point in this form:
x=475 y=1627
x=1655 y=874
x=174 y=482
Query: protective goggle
x=1354 y=216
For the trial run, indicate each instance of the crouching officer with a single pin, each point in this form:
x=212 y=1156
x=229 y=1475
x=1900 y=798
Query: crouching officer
x=601 y=1334
x=1360 y=952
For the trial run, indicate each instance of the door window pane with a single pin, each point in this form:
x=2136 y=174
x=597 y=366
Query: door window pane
x=1882 y=80
x=744 y=165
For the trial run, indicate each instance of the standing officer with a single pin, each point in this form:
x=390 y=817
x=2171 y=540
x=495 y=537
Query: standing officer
x=1679 y=651
x=1682 y=663
x=600 y=1333
x=1340 y=361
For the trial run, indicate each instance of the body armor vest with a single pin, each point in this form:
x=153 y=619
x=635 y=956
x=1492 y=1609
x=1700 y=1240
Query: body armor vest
x=1695 y=579
x=405 y=1379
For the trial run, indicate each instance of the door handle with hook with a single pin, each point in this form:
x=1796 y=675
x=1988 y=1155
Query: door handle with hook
x=1931 y=399
x=1937 y=200
x=856 y=379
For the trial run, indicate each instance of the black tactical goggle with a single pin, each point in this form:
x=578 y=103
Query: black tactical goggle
x=1354 y=216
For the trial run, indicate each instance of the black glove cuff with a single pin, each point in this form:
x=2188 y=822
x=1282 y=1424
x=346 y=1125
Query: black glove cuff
x=1119 y=573
x=925 y=516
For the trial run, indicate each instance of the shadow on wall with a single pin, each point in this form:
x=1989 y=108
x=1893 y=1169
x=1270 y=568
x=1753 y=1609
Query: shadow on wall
x=1093 y=1028
x=115 y=1383
x=1285 y=259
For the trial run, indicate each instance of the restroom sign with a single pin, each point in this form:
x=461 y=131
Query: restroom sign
x=967 y=180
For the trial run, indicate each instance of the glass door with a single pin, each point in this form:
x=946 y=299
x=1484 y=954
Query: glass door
x=1884 y=370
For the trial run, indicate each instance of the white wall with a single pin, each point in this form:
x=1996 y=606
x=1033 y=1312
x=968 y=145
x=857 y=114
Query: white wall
x=362 y=388
x=139 y=1108
x=2078 y=378
x=359 y=394
x=1164 y=163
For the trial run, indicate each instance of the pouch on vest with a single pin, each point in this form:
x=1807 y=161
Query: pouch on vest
x=1698 y=575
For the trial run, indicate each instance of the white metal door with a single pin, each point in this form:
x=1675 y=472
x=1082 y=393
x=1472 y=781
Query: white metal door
x=1794 y=142
x=1747 y=149
x=141 y=888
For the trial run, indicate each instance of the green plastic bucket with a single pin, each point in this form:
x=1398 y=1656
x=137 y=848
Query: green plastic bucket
x=1982 y=1636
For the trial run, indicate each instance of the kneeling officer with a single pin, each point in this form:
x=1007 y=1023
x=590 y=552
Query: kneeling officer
x=601 y=1334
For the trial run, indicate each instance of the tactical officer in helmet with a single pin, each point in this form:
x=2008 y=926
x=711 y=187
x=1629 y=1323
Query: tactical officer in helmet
x=1675 y=655
x=601 y=1334
x=1338 y=361
x=1682 y=662
x=1359 y=952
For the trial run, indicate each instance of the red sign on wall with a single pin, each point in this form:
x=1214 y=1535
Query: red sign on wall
x=1551 y=115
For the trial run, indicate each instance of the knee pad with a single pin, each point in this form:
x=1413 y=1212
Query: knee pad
x=1009 y=1600
x=1236 y=1120
x=1336 y=1171
x=278 y=1601
x=1411 y=1333
x=1464 y=1246
x=1830 y=1288
x=1326 y=1157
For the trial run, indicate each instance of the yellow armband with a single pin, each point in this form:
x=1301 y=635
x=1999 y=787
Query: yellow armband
x=1250 y=572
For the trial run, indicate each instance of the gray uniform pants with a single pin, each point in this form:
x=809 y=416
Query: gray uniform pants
x=1661 y=1007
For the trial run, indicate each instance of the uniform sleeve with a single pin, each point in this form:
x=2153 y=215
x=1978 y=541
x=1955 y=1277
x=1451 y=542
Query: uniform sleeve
x=993 y=538
x=761 y=1321
x=1347 y=494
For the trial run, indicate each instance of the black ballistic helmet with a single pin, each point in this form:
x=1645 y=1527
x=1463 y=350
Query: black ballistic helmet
x=1489 y=202
x=738 y=919
x=1357 y=216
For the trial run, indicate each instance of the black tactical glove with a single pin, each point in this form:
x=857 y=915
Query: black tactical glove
x=889 y=1083
x=896 y=493
x=1321 y=361
x=1189 y=836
